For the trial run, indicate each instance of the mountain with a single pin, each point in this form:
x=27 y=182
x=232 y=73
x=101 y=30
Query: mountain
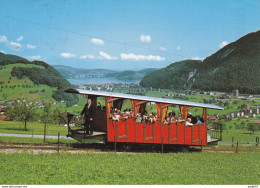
x=132 y=75
x=34 y=80
x=235 y=66
x=70 y=72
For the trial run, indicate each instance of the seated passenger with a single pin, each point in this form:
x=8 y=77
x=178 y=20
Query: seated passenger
x=139 y=118
x=188 y=122
x=115 y=117
x=198 y=120
x=167 y=120
x=179 y=119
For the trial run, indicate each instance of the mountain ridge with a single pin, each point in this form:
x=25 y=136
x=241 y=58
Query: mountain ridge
x=235 y=66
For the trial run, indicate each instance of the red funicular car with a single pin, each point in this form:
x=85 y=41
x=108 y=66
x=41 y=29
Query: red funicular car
x=128 y=127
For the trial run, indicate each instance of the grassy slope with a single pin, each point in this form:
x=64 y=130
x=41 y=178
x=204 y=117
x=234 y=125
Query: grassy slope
x=121 y=169
x=20 y=92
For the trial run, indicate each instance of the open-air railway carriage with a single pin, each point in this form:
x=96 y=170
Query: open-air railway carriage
x=129 y=130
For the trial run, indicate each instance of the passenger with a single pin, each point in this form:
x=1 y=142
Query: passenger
x=189 y=115
x=198 y=120
x=154 y=117
x=139 y=118
x=188 y=122
x=167 y=120
x=179 y=119
x=116 y=117
x=173 y=118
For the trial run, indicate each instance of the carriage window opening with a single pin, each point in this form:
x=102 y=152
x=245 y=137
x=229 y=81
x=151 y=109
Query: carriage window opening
x=101 y=103
x=121 y=110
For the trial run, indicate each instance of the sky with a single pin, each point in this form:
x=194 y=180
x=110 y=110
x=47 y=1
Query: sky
x=123 y=34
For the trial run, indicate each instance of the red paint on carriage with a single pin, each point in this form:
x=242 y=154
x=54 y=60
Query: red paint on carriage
x=175 y=133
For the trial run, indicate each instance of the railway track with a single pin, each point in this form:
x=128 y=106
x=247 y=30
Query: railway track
x=6 y=146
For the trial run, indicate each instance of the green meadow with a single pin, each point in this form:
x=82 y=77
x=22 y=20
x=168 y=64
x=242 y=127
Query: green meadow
x=130 y=169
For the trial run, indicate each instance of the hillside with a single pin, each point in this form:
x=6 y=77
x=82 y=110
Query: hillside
x=235 y=66
x=34 y=80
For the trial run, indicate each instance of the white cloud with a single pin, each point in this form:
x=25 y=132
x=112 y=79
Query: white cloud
x=178 y=47
x=222 y=44
x=15 y=44
x=30 y=46
x=87 y=57
x=104 y=55
x=145 y=38
x=2 y=51
x=135 y=57
x=67 y=55
x=19 y=39
x=34 y=57
x=3 y=38
x=198 y=58
x=97 y=41
x=162 y=48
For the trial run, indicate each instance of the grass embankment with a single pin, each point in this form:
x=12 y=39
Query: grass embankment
x=111 y=168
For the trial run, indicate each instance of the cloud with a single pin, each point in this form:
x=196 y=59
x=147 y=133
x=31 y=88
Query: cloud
x=222 y=44
x=104 y=55
x=34 y=57
x=30 y=46
x=162 y=48
x=135 y=57
x=178 y=47
x=3 y=38
x=87 y=57
x=145 y=38
x=67 y=55
x=198 y=58
x=15 y=44
x=2 y=51
x=97 y=41
x=19 y=39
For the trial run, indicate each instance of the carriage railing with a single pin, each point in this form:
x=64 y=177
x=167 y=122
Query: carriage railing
x=70 y=120
x=216 y=133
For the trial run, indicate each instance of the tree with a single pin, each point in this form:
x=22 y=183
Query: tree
x=252 y=127
x=217 y=125
x=46 y=116
x=21 y=111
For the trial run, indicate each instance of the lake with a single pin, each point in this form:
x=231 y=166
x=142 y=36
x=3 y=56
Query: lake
x=81 y=81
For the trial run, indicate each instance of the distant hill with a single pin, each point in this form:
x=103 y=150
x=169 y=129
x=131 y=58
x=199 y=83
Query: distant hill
x=132 y=75
x=235 y=66
x=23 y=78
x=70 y=72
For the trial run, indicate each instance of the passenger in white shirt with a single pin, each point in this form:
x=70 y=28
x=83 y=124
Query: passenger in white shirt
x=188 y=122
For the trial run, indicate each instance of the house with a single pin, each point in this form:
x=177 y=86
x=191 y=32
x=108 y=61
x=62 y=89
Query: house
x=245 y=106
x=212 y=118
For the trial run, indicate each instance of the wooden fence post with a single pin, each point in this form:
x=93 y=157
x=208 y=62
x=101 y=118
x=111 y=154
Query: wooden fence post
x=232 y=141
x=58 y=142
x=236 y=148
x=44 y=139
x=115 y=143
x=162 y=145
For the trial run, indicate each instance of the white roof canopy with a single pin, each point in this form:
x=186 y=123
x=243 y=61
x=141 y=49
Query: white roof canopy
x=143 y=98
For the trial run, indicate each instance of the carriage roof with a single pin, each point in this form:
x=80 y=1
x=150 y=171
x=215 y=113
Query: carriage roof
x=142 y=98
